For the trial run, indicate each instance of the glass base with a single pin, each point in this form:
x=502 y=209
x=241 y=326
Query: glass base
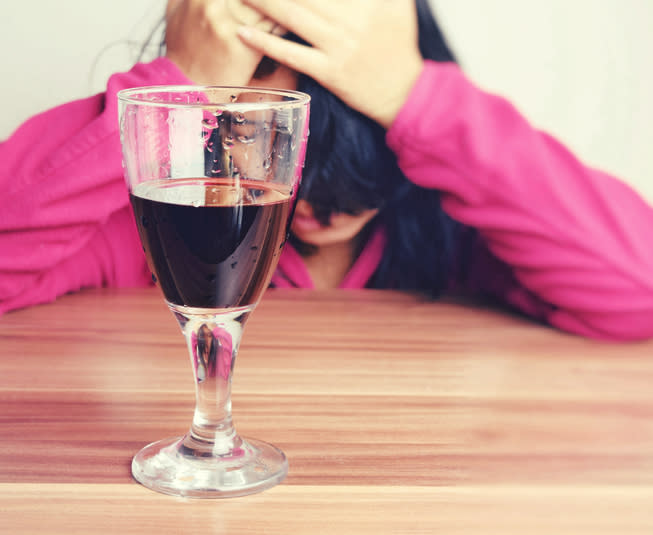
x=171 y=467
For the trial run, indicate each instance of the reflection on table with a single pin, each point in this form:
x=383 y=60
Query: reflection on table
x=397 y=416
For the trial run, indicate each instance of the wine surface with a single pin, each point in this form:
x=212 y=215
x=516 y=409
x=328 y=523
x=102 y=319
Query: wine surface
x=211 y=243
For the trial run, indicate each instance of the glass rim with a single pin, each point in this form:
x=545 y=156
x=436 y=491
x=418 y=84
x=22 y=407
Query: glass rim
x=135 y=95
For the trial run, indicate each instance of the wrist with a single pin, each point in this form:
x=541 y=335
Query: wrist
x=388 y=110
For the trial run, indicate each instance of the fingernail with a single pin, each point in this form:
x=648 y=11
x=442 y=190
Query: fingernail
x=244 y=31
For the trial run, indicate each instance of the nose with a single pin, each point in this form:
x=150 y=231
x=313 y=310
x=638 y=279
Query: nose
x=303 y=209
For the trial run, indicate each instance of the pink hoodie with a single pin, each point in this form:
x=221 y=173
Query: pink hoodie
x=560 y=241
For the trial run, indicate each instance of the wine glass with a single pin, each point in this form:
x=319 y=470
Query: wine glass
x=212 y=174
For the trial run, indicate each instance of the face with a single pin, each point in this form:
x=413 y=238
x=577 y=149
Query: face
x=281 y=77
x=342 y=228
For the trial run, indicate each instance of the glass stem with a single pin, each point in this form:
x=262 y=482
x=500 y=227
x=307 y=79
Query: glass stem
x=213 y=340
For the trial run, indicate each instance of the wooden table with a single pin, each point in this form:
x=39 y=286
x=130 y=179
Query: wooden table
x=397 y=415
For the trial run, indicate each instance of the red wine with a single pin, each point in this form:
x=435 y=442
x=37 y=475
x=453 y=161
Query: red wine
x=211 y=243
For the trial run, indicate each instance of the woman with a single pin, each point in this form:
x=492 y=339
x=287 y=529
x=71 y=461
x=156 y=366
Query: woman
x=414 y=179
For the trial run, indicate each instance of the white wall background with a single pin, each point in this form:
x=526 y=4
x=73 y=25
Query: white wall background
x=580 y=69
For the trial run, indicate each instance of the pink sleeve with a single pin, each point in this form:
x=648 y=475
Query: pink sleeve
x=577 y=241
x=65 y=221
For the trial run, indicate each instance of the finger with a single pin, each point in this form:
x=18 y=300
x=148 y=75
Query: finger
x=331 y=10
x=303 y=18
x=172 y=6
x=244 y=14
x=300 y=58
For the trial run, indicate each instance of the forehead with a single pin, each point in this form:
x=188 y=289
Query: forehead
x=281 y=78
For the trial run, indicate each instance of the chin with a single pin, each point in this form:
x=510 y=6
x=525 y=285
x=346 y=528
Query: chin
x=343 y=229
x=322 y=238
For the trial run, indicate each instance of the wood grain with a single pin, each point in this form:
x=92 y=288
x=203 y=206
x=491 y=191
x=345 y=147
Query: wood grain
x=397 y=415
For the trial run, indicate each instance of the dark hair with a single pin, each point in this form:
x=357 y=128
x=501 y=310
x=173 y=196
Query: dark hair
x=349 y=168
